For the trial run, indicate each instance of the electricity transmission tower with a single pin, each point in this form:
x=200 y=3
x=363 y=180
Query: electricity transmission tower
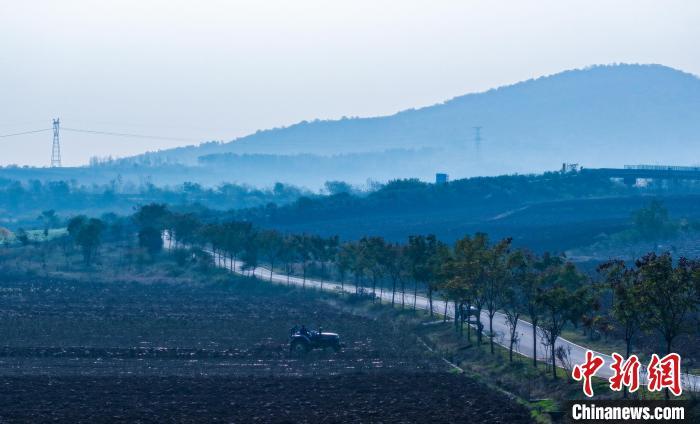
x=477 y=139
x=56 y=148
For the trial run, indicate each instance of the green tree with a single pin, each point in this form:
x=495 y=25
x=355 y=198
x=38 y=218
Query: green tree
x=438 y=253
x=153 y=215
x=521 y=273
x=212 y=235
x=151 y=220
x=184 y=228
x=151 y=240
x=74 y=225
x=496 y=281
x=251 y=251
x=343 y=262
x=457 y=289
x=426 y=254
x=324 y=251
x=627 y=308
x=559 y=303
x=50 y=220
x=272 y=247
x=470 y=266
x=337 y=187
x=358 y=264
x=531 y=289
x=397 y=266
x=668 y=294
x=373 y=249
x=23 y=237
x=417 y=251
x=305 y=254
x=652 y=222
x=234 y=236
x=289 y=255
x=87 y=234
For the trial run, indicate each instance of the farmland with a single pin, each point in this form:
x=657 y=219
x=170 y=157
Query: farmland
x=75 y=350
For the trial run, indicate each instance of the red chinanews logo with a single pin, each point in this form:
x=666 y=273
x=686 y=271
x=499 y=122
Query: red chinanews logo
x=626 y=373
x=662 y=373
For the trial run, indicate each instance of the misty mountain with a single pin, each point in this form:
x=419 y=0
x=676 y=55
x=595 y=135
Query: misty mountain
x=602 y=116
x=598 y=116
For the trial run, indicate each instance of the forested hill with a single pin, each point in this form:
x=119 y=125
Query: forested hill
x=552 y=211
x=598 y=116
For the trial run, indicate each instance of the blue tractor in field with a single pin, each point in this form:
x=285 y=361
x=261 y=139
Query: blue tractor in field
x=303 y=341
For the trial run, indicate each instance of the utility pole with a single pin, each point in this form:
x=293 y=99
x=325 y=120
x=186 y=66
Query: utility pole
x=56 y=148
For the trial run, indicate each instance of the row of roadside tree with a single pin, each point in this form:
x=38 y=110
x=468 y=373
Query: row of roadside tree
x=474 y=277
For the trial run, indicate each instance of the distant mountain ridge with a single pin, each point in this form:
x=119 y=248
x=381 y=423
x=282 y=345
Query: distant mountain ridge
x=598 y=116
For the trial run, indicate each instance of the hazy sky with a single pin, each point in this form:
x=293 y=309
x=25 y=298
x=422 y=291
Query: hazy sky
x=206 y=70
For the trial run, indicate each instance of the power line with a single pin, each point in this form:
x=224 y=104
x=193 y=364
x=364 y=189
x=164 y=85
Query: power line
x=25 y=132
x=56 y=149
x=116 y=134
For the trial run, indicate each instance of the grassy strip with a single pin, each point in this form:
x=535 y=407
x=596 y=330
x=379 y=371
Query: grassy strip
x=543 y=398
x=532 y=387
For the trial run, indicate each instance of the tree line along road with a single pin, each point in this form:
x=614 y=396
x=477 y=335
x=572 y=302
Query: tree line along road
x=525 y=345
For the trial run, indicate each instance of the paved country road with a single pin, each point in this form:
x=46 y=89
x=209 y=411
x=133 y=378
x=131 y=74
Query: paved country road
x=524 y=345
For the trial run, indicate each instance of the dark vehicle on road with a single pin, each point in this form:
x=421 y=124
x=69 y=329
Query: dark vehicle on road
x=303 y=341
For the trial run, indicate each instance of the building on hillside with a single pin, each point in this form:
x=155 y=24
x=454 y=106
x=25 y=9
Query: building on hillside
x=441 y=178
